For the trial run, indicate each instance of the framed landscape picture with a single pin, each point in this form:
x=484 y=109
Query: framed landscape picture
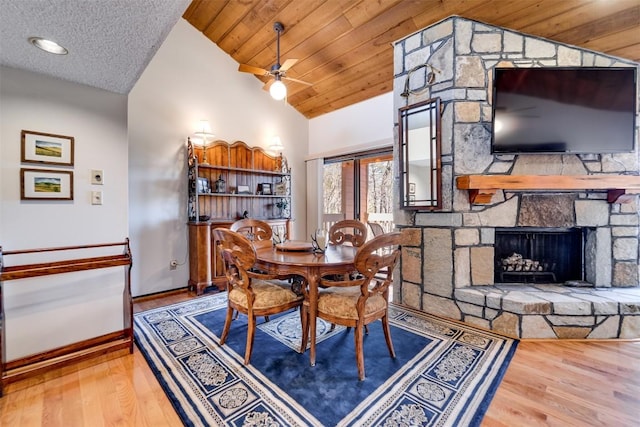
x=38 y=147
x=45 y=184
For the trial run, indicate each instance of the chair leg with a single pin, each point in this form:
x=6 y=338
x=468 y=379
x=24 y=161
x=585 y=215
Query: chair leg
x=304 y=321
x=251 y=331
x=227 y=325
x=387 y=335
x=357 y=333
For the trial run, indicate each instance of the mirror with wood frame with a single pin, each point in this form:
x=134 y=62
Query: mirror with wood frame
x=419 y=153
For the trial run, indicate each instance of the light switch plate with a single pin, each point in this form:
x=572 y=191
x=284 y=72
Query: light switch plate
x=97 y=177
x=96 y=197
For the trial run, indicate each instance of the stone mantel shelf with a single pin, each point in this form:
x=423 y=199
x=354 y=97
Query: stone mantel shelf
x=620 y=188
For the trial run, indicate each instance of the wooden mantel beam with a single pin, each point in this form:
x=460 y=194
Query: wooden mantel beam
x=483 y=187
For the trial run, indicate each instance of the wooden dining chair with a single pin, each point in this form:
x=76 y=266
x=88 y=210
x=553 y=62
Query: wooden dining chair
x=257 y=231
x=250 y=292
x=349 y=231
x=357 y=302
x=376 y=229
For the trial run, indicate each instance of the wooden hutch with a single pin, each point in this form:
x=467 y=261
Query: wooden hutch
x=226 y=183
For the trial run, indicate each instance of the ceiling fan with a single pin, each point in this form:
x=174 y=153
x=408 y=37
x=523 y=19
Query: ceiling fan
x=278 y=71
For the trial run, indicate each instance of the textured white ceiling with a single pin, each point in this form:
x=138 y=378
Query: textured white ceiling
x=110 y=42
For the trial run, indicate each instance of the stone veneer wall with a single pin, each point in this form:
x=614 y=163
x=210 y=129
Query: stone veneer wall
x=452 y=249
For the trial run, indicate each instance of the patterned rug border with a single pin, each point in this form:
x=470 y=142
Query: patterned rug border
x=402 y=390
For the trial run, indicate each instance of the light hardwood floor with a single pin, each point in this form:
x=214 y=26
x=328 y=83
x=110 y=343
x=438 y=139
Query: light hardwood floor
x=550 y=383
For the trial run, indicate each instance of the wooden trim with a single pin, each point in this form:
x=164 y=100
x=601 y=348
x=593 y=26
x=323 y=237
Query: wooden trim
x=483 y=187
x=43 y=366
x=42 y=362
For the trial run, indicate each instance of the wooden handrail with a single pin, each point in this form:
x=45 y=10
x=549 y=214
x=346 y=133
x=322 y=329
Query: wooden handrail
x=483 y=187
x=77 y=351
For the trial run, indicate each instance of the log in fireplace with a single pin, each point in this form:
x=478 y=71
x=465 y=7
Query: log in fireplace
x=539 y=255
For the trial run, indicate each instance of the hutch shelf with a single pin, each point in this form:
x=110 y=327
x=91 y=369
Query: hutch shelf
x=228 y=182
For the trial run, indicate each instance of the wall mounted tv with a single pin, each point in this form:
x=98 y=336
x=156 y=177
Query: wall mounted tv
x=564 y=110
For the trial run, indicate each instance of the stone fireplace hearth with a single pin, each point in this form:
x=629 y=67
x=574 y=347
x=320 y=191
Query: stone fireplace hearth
x=448 y=264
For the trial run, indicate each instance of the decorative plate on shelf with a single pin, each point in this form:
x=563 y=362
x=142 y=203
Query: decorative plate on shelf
x=294 y=245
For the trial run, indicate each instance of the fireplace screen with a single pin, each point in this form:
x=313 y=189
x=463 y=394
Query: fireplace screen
x=528 y=255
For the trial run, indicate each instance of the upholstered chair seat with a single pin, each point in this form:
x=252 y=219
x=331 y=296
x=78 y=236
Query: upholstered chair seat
x=268 y=295
x=342 y=302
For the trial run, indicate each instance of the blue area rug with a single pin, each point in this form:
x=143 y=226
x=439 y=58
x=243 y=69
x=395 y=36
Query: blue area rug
x=444 y=373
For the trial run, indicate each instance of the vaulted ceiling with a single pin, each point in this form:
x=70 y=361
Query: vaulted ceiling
x=344 y=47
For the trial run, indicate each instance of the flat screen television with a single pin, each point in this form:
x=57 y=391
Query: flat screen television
x=564 y=110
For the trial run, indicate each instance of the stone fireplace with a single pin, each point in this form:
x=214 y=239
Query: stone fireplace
x=448 y=265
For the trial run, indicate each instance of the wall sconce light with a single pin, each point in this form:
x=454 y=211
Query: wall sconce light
x=204 y=134
x=277 y=89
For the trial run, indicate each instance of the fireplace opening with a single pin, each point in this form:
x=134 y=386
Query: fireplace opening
x=539 y=255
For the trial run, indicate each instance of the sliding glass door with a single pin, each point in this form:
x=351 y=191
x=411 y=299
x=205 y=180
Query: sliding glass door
x=359 y=186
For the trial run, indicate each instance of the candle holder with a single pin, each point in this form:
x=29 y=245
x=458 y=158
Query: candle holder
x=319 y=241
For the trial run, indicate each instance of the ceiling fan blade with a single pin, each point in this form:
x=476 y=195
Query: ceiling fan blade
x=297 y=81
x=253 y=70
x=268 y=84
x=288 y=64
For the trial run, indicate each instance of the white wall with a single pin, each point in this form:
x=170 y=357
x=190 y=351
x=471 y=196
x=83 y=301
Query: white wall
x=69 y=307
x=358 y=127
x=188 y=80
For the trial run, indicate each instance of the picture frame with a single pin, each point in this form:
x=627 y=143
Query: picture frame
x=243 y=189
x=412 y=188
x=265 y=189
x=203 y=186
x=280 y=189
x=46 y=184
x=46 y=148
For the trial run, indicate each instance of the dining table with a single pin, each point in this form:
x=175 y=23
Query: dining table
x=299 y=258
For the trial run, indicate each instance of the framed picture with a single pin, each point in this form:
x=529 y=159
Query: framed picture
x=280 y=189
x=203 y=186
x=265 y=189
x=47 y=148
x=45 y=184
x=412 y=188
x=243 y=189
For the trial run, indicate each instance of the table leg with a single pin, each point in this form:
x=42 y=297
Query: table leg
x=313 y=278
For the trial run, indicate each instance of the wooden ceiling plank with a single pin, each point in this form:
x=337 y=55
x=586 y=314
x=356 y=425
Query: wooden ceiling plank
x=262 y=16
x=200 y=13
x=579 y=15
x=632 y=52
x=624 y=19
x=378 y=30
x=263 y=43
x=365 y=11
x=379 y=65
x=523 y=13
x=363 y=53
x=616 y=40
x=367 y=93
x=228 y=17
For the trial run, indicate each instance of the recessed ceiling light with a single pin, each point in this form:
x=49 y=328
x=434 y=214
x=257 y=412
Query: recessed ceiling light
x=48 y=45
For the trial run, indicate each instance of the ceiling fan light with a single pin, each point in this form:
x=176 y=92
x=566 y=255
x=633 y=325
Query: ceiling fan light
x=278 y=90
